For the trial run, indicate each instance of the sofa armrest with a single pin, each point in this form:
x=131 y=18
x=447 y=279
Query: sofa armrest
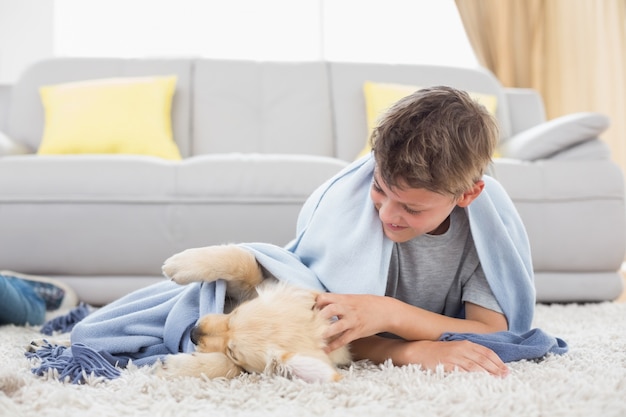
x=594 y=149
x=5 y=98
x=526 y=108
x=10 y=147
x=557 y=135
x=573 y=212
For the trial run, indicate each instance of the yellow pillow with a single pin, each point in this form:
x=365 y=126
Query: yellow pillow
x=379 y=97
x=115 y=115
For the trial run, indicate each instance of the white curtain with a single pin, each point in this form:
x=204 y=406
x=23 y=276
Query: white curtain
x=572 y=51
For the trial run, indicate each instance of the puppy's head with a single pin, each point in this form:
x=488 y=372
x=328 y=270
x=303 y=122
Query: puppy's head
x=280 y=328
x=210 y=334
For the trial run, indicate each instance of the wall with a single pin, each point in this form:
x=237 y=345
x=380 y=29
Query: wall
x=26 y=35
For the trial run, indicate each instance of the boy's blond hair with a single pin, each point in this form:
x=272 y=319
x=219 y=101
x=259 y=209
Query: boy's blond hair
x=437 y=138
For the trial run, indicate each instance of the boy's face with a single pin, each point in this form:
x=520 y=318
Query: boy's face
x=410 y=212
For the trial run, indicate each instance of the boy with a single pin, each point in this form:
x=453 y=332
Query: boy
x=431 y=151
x=392 y=236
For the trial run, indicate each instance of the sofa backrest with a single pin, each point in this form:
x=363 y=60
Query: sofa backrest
x=347 y=81
x=26 y=116
x=261 y=107
x=222 y=106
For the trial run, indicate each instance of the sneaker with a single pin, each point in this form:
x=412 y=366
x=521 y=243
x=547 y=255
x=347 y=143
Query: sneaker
x=56 y=294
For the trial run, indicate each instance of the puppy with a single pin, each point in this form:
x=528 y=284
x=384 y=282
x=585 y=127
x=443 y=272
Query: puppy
x=273 y=327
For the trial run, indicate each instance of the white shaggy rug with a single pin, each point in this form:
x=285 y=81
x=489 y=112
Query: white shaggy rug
x=588 y=381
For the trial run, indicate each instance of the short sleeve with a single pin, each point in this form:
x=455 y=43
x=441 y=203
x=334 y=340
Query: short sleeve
x=477 y=291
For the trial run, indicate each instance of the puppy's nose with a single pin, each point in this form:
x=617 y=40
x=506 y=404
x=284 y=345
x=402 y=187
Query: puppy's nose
x=194 y=335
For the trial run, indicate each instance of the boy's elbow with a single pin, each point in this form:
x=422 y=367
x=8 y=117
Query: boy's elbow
x=498 y=323
x=494 y=328
x=490 y=321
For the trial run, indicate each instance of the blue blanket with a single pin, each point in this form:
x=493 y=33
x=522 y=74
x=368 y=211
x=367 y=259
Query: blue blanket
x=339 y=247
x=512 y=347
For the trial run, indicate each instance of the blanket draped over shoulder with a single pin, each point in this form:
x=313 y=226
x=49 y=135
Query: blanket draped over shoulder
x=339 y=247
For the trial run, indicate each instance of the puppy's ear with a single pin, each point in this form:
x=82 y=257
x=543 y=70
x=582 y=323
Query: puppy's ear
x=310 y=368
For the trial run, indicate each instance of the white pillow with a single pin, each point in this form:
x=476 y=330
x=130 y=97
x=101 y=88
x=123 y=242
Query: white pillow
x=10 y=147
x=549 y=138
x=590 y=150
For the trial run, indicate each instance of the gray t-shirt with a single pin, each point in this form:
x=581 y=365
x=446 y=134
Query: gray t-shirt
x=440 y=272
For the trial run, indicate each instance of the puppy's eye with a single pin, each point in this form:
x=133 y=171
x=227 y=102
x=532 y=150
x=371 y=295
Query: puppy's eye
x=231 y=353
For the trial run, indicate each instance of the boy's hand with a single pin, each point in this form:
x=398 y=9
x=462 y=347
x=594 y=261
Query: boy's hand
x=357 y=316
x=457 y=355
x=462 y=355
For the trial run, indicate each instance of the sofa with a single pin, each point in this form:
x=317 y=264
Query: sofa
x=254 y=139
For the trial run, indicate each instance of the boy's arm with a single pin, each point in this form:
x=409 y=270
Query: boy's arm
x=462 y=355
x=366 y=315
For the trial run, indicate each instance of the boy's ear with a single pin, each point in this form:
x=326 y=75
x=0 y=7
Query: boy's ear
x=470 y=195
x=309 y=368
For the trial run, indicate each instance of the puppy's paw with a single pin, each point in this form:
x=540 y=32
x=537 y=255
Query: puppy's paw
x=211 y=263
x=188 y=266
x=211 y=365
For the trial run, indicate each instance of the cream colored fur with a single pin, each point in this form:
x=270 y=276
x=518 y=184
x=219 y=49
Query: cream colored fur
x=275 y=327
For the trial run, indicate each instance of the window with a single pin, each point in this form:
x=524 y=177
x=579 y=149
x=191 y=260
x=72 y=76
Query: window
x=237 y=29
x=397 y=31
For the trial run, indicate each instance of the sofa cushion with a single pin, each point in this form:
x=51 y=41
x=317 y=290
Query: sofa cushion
x=253 y=177
x=128 y=178
x=85 y=178
x=124 y=215
x=87 y=214
x=114 y=115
